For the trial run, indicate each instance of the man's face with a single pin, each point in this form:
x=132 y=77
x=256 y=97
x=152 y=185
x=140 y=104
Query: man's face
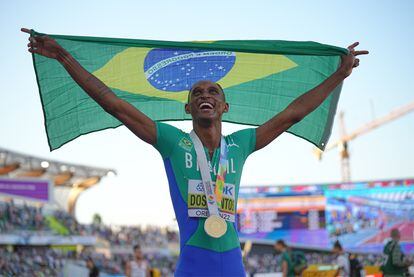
x=206 y=101
x=278 y=247
x=395 y=234
x=397 y=237
x=138 y=254
x=89 y=264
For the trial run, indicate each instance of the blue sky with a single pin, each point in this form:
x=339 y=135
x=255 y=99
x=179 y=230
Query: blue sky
x=139 y=194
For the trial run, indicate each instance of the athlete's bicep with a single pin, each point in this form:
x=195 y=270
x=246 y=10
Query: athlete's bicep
x=135 y=120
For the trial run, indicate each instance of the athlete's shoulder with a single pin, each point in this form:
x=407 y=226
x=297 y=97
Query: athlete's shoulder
x=168 y=137
x=244 y=139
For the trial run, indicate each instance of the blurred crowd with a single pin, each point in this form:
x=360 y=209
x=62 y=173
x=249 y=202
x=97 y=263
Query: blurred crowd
x=119 y=235
x=42 y=261
x=30 y=261
x=23 y=217
x=29 y=218
x=264 y=263
x=46 y=261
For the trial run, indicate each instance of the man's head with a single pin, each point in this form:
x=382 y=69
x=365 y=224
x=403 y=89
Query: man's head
x=206 y=101
x=280 y=246
x=395 y=234
x=137 y=252
x=337 y=247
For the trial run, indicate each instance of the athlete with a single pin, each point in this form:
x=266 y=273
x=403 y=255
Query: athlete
x=200 y=254
x=138 y=266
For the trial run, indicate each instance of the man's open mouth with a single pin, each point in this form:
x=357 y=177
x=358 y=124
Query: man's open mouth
x=205 y=106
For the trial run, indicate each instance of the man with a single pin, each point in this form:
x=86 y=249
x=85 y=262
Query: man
x=93 y=269
x=201 y=254
x=138 y=267
x=342 y=261
x=287 y=260
x=394 y=263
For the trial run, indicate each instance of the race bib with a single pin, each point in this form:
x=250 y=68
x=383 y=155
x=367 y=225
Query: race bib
x=197 y=202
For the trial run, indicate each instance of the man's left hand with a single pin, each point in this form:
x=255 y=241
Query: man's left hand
x=350 y=61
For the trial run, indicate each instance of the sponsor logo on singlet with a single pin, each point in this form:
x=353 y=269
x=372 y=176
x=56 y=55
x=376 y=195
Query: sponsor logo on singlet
x=197 y=202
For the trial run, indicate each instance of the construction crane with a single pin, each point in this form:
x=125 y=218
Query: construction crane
x=343 y=141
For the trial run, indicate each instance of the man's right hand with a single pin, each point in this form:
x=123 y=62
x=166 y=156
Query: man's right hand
x=43 y=45
x=141 y=125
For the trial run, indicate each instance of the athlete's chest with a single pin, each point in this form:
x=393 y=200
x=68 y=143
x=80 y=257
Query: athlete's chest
x=185 y=160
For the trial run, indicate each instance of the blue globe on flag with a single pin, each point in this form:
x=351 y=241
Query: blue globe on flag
x=177 y=70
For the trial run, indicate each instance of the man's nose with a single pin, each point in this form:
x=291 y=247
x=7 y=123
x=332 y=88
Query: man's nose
x=204 y=94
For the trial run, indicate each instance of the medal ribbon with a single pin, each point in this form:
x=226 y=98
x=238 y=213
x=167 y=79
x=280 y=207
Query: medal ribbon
x=221 y=174
x=213 y=201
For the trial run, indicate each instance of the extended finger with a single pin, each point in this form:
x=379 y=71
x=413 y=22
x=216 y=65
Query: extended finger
x=34 y=50
x=38 y=38
x=356 y=63
x=361 y=52
x=25 y=30
x=353 y=45
x=32 y=44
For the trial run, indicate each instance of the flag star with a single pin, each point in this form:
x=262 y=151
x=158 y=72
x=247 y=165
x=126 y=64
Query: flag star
x=175 y=53
x=186 y=85
x=173 y=85
x=152 y=78
x=192 y=67
x=177 y=79
x=215 y=65
x=178 y=63
x=220 y=67
x=211 y=73
x=205 y=61
x=170 y=81
x=182 y=68
x=188 y=64
x=188 y=69
x=187 y=74
x=164 y=88
x=210 y=69
x=156 y=75
x=204 y=76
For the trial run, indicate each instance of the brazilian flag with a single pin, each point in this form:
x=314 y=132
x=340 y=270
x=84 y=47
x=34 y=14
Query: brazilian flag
x=259 y=77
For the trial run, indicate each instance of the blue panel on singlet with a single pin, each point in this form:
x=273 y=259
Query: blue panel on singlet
x=196 y=261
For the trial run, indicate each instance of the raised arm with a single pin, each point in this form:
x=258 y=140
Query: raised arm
x=307 y=102
x=141 y=125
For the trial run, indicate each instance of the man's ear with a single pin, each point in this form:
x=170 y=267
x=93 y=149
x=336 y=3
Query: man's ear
x=226 y=107
x=187 y=109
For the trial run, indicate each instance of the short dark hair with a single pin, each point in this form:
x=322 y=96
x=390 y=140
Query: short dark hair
x=338 y=245
x=189 y=92
x=137 y=246
x=395 y=232
x=281 y=242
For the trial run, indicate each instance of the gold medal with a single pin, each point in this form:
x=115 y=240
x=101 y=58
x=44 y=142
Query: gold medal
x=215 y=226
